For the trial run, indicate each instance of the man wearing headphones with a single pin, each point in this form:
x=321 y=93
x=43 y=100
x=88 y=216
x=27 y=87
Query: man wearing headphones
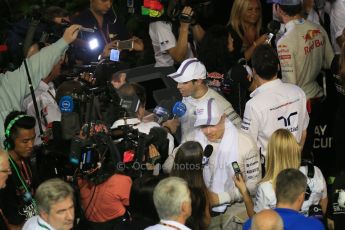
x=17 y=202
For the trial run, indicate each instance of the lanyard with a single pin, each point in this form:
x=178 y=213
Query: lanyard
x=18 y=174
x=43 y=225
x=26 y=173
x=169 y=225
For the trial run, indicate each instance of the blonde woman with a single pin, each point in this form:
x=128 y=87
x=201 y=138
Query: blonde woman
x=284 y=152
x=245 y=20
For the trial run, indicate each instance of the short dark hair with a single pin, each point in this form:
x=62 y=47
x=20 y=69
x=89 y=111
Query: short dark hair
x=265 y=61
x=134 y=90
x=290 y=184
x=26 y=122
x=291 y=10
x=53 y=12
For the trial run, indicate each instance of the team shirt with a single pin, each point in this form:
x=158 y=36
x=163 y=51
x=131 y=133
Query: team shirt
x=275 y=105
x=189 y=118
x=303 y=50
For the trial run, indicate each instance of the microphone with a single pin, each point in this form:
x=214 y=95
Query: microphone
x=162 y=110
x=84 y=29
x=273 y=27
x=66 y=104
x=161 y=113
x=315 y=211
x=75 y=151
x=207 y=153
x=179 y=109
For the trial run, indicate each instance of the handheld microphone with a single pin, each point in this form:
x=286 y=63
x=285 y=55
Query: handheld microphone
x=84 y=29
x=75 y=151
x=273 y=27
x=207 y=153
x=66 y=104
x=161 y=113
x=315 y=211
x=179 y=109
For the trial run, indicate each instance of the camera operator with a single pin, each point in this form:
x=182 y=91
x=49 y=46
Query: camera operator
x=14 y=85
x=108 y=28
x=158 y=135
x=47 y=29
x=172 y=48
x=104 y=191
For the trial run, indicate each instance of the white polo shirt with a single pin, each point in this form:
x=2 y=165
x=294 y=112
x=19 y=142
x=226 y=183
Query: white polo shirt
x=275 y=105
x=188 y=119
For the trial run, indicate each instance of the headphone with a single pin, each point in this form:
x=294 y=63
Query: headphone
x=8 y=142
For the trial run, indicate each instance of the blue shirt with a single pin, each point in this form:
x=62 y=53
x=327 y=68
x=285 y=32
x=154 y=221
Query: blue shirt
x=293 y=220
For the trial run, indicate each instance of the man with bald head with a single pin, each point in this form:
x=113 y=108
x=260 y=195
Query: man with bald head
x=267 y=220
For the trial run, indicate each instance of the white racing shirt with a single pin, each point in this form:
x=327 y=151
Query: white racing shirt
x=218 y=172
x=189 y=118
x=303 y=50
x=275 y=105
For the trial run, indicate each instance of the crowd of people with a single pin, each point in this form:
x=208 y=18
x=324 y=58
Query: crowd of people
x=234 y=154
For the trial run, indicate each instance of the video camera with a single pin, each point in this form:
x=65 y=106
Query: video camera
x=201 y=9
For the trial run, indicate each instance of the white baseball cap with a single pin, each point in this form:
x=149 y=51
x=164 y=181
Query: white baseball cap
x=189 y=69
x=207 y=113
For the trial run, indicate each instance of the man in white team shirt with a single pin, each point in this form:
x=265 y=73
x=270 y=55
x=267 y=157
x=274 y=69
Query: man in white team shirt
x=229 y=145
x=190 y=78
x=273 y=104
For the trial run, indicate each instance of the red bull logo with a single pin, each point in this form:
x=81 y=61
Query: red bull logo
x=311 y=34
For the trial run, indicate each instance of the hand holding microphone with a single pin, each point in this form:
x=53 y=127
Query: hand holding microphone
x=179 y=109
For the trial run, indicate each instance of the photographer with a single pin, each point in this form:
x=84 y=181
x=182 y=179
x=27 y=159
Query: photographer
x=108 y=30
x=14 y=85
x=171 y=48
x=45 y=24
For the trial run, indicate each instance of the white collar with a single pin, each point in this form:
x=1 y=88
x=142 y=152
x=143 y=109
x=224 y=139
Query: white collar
x=175 y=224
x=266 y=86
x=129 y=121
x=42 y=223
x=292 y=23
